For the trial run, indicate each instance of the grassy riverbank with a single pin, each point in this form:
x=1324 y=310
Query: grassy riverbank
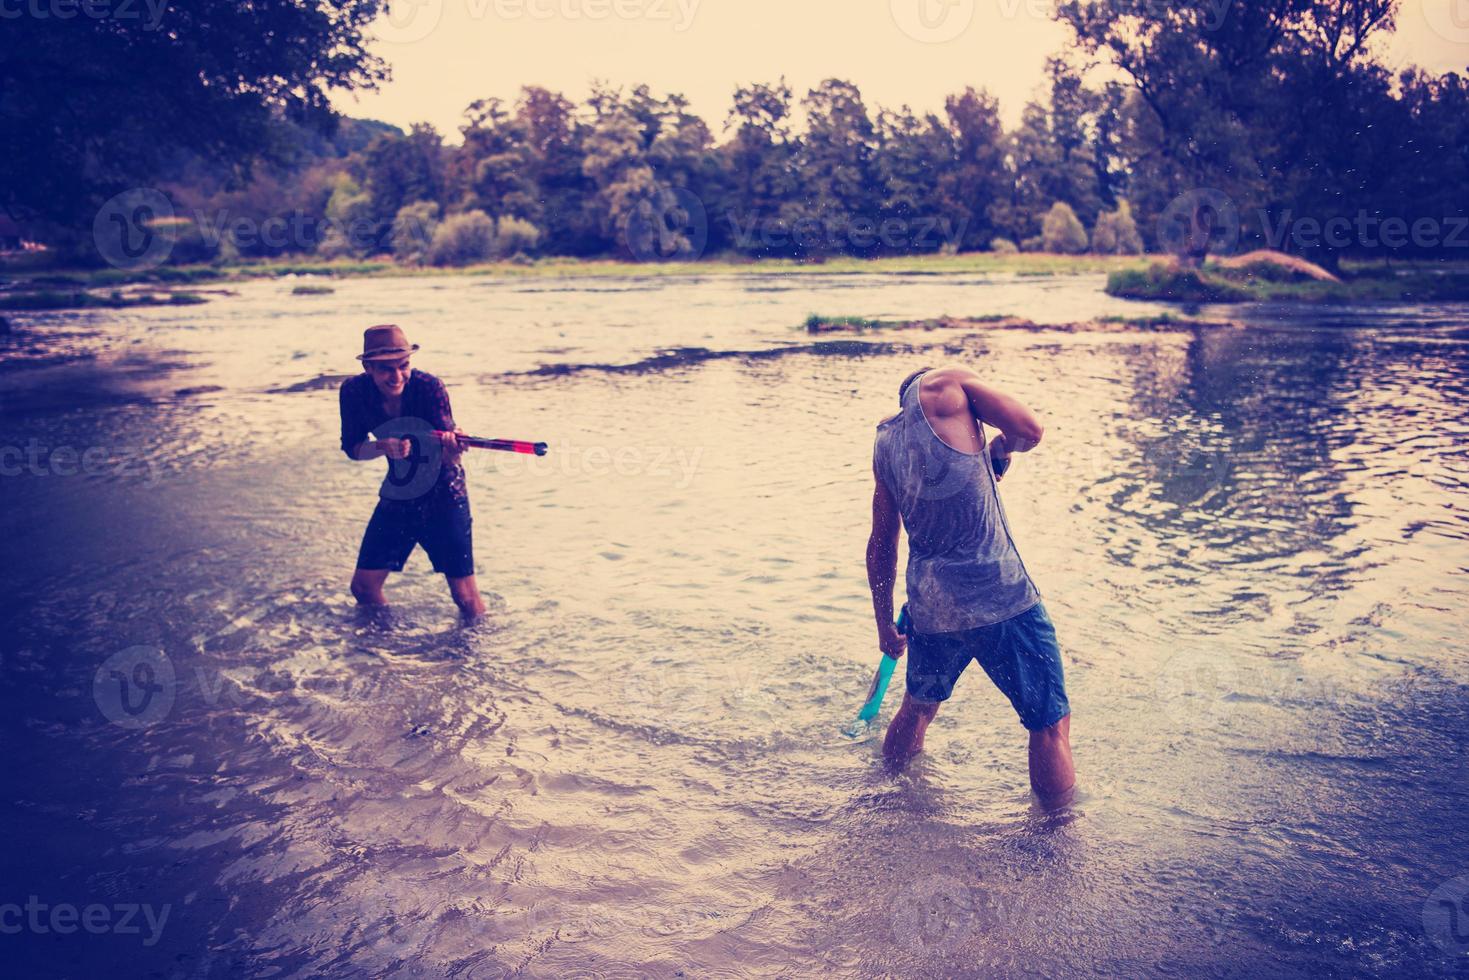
x=34 y=274
x=29 y=283
x=816 y=323
x=81 y=299
x=1360 y=283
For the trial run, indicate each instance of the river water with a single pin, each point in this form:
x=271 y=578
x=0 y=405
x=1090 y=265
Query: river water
x=1252 y=539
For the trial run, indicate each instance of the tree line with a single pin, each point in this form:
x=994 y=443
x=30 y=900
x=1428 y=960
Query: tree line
x=1219 y=125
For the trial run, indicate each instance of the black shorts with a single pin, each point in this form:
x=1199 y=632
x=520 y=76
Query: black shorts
x=1020 y=654
x=441 y=523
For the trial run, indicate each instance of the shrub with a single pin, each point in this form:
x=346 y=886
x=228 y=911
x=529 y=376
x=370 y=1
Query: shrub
x=463 y=238
x=1003 y=246
x=413 y=231
x=1062 y=231
x=1116 y=232
x=1036 y=244
x=515 y=236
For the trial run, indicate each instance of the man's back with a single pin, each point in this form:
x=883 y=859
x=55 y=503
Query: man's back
x=963 y=569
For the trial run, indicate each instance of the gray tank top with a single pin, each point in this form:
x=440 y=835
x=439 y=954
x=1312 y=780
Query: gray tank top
x=963 y=569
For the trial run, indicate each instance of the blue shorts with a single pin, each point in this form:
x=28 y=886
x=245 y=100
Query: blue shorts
x=439 y=521
x=1020 y=655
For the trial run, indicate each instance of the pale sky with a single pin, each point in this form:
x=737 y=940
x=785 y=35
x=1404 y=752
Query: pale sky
x=447 y=53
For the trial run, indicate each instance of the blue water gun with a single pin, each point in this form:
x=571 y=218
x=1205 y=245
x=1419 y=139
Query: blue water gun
x=879 y=687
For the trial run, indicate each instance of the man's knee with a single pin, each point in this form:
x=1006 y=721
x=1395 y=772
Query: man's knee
x=1059 y=732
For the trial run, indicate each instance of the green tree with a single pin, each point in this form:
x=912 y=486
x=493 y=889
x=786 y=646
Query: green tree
x=351 y=223
x=396 y=170
x=910 y=162
x=1246 y=100
x=617 y=162
x=565 y=195
x=1053 y=155
x=760 y=160
x=1428 y=159
x=91 y=106
x=493 y=169
x=840 y=194
x=644 y=156
x=976 y=186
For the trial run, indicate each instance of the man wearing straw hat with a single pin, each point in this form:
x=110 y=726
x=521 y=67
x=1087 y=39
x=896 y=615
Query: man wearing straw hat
x=393 y=411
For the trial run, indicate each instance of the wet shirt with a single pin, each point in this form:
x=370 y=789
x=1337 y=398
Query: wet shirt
x=425 y=409
x=963 y=569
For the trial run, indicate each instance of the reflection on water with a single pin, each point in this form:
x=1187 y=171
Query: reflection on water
x=1252 y=541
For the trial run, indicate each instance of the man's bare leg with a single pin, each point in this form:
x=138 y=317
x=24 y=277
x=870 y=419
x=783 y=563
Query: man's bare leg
x=905 y=733
x=367 y=586
x=1051 y=773
x=466 y=596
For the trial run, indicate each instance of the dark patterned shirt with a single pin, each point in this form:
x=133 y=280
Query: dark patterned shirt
x=425 y=408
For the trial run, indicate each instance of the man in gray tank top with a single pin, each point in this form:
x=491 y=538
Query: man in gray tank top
x=969 y=595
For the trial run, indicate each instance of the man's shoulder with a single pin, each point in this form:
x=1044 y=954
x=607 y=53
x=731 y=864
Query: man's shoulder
x=948 y=376
x=942 y=392
x=425 y=380
x=355 y=384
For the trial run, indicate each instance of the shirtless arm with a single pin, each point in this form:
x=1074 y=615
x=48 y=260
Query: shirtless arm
x=1021 y=429
x=882 y=566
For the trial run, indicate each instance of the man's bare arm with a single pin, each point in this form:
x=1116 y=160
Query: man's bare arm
x=882 y=566
x=1022 y=430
